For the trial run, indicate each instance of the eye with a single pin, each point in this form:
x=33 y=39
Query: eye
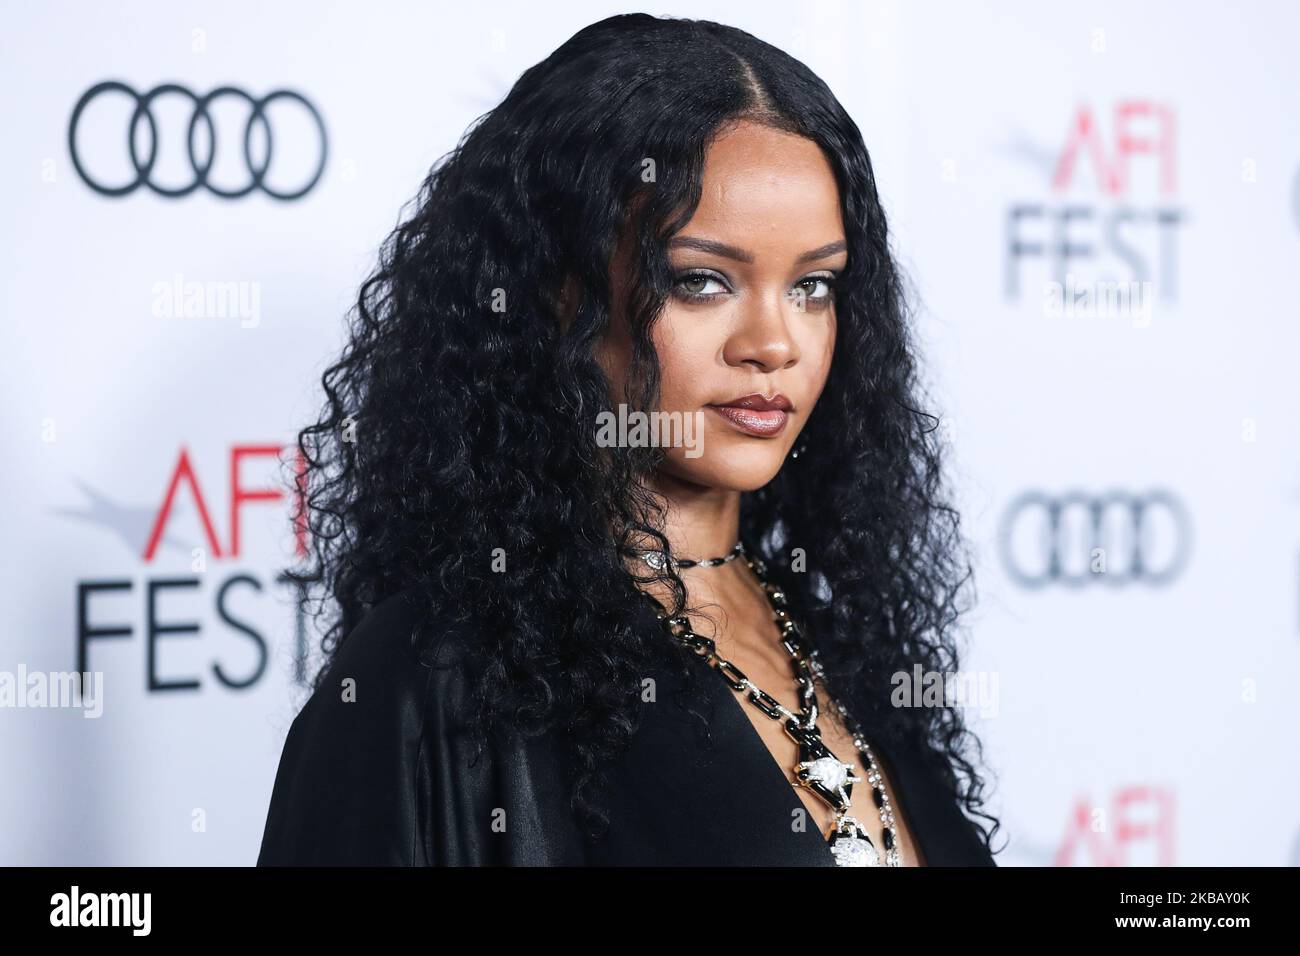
x=826 y=285
x=694 y=286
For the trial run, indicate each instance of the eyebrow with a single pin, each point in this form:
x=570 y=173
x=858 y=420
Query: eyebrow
x=740 y=255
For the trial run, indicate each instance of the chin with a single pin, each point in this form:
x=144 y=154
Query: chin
x=729 y=466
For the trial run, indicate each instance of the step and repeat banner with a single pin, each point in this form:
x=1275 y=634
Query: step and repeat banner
x=1098 y=210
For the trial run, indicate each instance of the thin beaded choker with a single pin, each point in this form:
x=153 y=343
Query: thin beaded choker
x=658 y=560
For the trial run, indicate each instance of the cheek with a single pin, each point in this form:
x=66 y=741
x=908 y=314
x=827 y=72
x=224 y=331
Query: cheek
x=817 y=347
x=827 y=350
x=686 y=353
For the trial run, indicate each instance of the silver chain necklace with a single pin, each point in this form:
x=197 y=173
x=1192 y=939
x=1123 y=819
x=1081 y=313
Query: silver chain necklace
x=818 y=769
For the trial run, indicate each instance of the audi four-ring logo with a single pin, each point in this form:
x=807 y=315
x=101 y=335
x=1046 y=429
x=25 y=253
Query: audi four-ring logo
x=201 y=166
x=1077 y=538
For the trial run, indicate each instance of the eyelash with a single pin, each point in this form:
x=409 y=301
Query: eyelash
x=815 y=301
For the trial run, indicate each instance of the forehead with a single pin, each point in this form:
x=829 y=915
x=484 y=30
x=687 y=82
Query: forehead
x=767 y=186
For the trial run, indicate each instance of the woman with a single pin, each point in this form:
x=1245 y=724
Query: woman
x=563 y=634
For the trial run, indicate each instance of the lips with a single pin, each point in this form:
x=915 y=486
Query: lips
x=756 y=415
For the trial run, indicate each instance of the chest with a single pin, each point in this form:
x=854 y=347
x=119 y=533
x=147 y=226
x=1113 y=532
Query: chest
x=726 y=797
x=820 y=815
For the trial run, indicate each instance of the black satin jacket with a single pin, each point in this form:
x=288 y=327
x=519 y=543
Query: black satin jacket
x=388 y=779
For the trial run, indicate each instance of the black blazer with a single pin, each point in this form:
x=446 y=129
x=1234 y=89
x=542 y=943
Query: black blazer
x=389 y=779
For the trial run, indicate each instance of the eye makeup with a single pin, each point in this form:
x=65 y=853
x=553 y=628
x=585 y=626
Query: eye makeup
x=828 y=279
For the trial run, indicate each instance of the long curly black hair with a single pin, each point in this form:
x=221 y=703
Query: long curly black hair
x=461 y=416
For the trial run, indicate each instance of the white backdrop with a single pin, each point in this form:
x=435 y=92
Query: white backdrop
x=1146 y=714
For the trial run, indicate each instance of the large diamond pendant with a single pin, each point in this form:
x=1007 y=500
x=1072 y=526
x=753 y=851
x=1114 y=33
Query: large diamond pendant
x=821 y=771
x=851 y=846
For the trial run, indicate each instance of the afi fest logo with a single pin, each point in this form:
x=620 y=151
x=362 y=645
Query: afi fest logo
x=1105 y=238
x=197 y=629
x=1135 y=829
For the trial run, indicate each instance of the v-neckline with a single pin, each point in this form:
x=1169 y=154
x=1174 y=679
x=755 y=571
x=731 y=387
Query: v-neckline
x=790 y=798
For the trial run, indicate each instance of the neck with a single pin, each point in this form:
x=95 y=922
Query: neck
x=700 y=522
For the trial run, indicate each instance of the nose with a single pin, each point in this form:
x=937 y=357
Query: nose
x=762 y=337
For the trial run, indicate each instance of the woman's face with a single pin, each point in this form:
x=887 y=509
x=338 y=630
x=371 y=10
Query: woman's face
x=751 y=318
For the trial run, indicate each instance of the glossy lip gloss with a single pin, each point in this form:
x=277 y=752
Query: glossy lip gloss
x=756 y=415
